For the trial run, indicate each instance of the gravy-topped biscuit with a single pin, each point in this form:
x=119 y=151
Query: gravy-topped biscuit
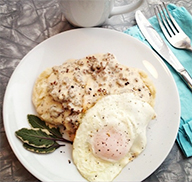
x=63 y=93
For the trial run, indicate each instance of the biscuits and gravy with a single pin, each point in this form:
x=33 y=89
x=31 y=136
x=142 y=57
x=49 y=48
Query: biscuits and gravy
x=62 y=94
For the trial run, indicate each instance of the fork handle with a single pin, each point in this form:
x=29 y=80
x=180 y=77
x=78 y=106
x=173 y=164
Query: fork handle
x=187 y=78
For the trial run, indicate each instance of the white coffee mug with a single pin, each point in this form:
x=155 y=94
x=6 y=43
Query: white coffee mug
x=90 y=13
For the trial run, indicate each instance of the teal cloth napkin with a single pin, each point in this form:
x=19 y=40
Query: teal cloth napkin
x=184 y=19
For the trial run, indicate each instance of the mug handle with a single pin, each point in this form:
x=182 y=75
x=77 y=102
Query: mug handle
x=126 y=8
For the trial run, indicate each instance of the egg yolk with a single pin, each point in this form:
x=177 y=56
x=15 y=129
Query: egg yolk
x=111 y=144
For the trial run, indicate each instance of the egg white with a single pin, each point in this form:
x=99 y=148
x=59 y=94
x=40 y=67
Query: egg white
x=125 y=112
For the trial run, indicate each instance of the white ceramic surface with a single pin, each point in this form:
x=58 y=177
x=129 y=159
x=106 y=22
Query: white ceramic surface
x=161 y=132
x=89 y=13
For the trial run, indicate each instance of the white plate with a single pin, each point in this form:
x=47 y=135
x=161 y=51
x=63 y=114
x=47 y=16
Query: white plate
x=77 y=44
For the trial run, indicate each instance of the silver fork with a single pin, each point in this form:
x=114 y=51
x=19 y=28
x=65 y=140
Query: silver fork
x=173 y=33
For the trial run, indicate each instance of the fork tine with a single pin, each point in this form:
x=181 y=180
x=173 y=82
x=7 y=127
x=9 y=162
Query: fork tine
x=174 y=23
x=175 y=28
x=168 y=23
x=164 y=22
x=157 y=11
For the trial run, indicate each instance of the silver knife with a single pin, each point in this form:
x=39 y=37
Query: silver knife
x=161 y=47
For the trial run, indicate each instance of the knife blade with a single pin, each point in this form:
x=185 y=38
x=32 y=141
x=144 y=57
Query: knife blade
x=161 y=47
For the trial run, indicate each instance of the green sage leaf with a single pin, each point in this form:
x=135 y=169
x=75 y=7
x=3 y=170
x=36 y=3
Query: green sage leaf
x=35 y=137
x=41 y=150
x=36 y=122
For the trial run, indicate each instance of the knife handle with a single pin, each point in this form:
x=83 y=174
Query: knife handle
x=187 y=78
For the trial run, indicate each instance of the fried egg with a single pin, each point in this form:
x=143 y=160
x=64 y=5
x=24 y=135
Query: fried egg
x=111 y=134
